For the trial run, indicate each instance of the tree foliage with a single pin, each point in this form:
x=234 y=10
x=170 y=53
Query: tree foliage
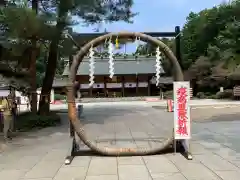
x=210 y=39
x=19 y=23
x=210 y=46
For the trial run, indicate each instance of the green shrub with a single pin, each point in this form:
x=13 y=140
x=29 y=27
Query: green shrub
x=208 y=94
x=28 y=121
x=213 y=96
x=168 y=95
x=200 y=95
x=226 y=94
x=59 y=97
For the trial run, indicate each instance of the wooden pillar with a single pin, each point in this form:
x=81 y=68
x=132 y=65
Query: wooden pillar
x=123 y=89
x=105 y=86
x=137 y=85
x=149 y=86
x=90 y=91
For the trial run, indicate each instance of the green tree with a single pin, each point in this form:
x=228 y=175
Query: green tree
x=210 y=47
x=23 y=30
x=21 y=23
x=91 y=12
x=201 y=29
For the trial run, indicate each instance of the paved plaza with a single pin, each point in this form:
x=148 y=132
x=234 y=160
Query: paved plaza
x=215 y=146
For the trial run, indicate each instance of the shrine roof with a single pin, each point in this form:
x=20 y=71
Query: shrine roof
x=122 y=66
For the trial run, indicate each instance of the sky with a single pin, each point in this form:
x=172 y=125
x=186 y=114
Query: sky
x=156 y=15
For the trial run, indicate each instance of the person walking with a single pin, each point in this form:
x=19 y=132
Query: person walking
x=7 y=117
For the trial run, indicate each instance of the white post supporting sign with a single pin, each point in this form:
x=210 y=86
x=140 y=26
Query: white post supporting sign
x=181 y=91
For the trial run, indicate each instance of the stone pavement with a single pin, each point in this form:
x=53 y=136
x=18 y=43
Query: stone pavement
x=40 y=155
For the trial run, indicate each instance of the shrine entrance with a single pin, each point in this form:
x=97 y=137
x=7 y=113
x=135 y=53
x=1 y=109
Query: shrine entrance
x=72 y=110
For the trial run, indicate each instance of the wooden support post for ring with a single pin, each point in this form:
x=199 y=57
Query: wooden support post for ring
x=72 y=110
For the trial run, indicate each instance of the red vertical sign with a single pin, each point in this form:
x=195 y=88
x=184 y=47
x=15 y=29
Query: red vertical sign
x=181 y=110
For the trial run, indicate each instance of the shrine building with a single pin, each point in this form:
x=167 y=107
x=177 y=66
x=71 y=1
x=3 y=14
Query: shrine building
x=132 y=77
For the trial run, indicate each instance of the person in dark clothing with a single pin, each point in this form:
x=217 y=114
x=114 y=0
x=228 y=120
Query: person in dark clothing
x=14 y=111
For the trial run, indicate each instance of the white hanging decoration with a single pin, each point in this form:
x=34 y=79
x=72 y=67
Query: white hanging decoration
x=158 y=65
x=110 y=61
x=91 y=67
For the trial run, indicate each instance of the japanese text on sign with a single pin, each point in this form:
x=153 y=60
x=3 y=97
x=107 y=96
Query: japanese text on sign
x=181 y=110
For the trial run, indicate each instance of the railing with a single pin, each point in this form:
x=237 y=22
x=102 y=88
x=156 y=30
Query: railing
x=191 y=93
x=236 y=91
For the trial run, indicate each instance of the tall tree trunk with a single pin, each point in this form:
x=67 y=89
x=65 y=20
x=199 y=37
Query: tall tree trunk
x=33 y=77
x=44 y=104
x=48 y=79
x=33 y=99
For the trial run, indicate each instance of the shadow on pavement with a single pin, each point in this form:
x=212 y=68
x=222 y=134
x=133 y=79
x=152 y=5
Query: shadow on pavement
x=91 y=115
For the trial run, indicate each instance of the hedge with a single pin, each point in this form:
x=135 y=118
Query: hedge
x=28 y=121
